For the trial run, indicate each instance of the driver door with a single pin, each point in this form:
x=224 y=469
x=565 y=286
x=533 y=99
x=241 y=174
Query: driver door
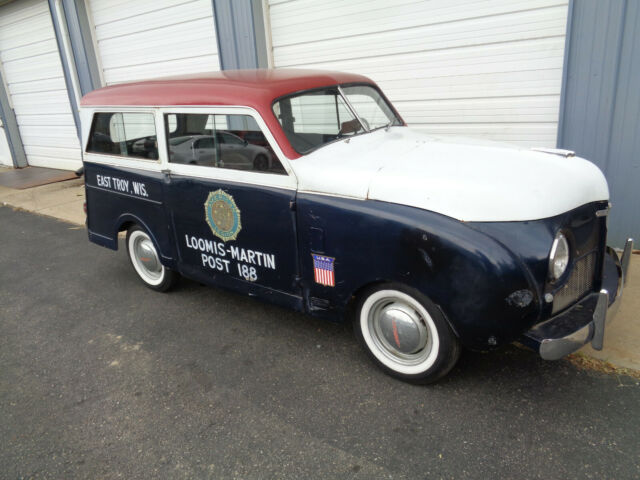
x=233 y=227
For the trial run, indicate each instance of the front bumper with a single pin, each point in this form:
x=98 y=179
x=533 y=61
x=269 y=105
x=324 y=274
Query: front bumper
x=585 y=321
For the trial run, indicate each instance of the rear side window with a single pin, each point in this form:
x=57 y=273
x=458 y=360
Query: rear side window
x=124 y=134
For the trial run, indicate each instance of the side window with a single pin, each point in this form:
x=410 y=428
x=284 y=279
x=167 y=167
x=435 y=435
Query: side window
x=124 y=134
x=221 y=141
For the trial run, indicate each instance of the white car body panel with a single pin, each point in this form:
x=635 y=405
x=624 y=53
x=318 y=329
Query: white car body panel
x=473 y=181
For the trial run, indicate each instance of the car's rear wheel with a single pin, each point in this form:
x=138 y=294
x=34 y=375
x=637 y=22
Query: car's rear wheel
x=146 y=261
x=405 y=333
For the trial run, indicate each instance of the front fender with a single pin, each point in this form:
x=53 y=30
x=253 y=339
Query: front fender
x=486 y=292
x=483 y=289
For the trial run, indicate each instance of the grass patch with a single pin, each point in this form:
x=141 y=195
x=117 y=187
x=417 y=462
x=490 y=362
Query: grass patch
x=586 y=362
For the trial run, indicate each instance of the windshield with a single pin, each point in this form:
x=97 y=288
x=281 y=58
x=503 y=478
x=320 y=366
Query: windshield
x=317 y=117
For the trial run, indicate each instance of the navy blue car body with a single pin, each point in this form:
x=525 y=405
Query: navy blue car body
x=489 y=278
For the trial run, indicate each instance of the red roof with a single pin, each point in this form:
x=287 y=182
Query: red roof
x=252 y=88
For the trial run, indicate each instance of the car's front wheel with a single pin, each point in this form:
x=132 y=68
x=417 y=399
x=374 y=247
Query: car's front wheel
x=405 y=333
x=146 y=261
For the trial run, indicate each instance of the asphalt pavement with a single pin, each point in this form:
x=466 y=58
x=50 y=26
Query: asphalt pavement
x=101 y=377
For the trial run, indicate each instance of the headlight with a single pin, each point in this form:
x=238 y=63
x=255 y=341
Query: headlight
x=559 y=257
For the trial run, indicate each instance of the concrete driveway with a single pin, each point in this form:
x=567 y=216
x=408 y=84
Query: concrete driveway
x=103 y=378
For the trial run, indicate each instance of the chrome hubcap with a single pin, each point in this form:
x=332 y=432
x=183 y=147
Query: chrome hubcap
x=402 y=329
x=146 y=257
x=399 y=331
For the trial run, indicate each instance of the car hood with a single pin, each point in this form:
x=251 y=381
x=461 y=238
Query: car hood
x=470 y=180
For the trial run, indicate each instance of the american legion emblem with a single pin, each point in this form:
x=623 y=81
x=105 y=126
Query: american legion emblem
x=223 y=215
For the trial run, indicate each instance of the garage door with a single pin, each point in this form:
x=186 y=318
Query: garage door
x=36 y=86
x=487 y=68
x=154 y=38
x=5 y=154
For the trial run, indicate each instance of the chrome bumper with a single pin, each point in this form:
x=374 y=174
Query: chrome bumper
x=585 y=321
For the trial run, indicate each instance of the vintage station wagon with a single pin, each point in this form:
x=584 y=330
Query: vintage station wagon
x=307 y=189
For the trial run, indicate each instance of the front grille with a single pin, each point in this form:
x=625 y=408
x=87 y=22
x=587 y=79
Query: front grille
x=581 y=282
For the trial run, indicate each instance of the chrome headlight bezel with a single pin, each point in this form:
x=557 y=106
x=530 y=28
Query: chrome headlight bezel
x=559 y=257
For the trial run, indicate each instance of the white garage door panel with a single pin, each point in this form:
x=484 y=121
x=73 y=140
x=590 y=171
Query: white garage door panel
x=141 y=72
x=473 y=86
x=478 y=31
x=43 y=152
x=35 y=82
x=29 y=29
x=115 y=10
x=15 y=14
x=49 y=135
x=174 y=44
x=43 y=85
x=521 y=134
x=490 y=68
x=35 y=110
x=110 y=24
x=28 y=50
x=150 y=39
x=524 y=57
x=508 y=109
x=493 y=57
x=48 y=119
x=322 y=20
x=46 y=161
x=37 y=67
x=36 y=99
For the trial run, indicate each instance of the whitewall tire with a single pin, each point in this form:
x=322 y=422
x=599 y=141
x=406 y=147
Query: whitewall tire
x=405 y=333
x=146 y=261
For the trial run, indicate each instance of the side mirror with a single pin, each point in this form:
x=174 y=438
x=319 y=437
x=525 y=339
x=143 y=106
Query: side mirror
x=352 y=126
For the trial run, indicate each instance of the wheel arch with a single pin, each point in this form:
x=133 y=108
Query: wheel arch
x=128 y=220
x=354 y=298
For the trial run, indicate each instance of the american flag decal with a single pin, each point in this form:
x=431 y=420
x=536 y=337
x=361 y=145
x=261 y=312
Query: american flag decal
x=323 y=270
